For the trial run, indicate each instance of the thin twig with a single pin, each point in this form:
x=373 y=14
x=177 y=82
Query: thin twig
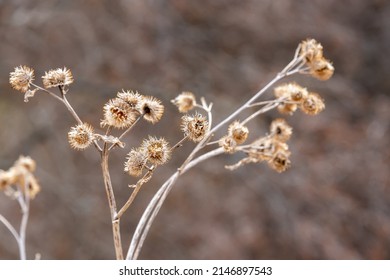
x=179 y=144
x=258 y=112
x=264 y=102
x=127 y=130
x=48 y=91
x=138 y=186
x=68 y=106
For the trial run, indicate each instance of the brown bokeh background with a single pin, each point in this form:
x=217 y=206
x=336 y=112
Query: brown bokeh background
x=333 y=203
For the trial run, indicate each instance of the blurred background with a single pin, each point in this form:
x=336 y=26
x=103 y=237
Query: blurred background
x=333 y=203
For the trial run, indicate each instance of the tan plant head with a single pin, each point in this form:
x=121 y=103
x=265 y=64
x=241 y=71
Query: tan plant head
x=194 y=126
x=57 y=77
x=185 y=101
x=152 y=109
x=81 y=136
x=21 y=78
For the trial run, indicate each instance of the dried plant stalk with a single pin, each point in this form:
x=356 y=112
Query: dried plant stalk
x=128 y=108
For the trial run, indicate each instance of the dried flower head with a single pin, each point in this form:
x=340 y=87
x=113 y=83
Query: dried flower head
x=81 y=136
x=238 y=132
x=185 y=101
x=118 y=113
x=321 y=69
x=21 y=78
x=228 y=144
x=280 y=160
x=158 y=150
x=26 y=162
x=291 y=92
x=280 y=130
x=194 y=127
x=311 y=50
x=132 y=98
x=152 y=109
x=136 y=161
x=20 y=175
x=32 y=185
x=57 y=77
x=312 y=104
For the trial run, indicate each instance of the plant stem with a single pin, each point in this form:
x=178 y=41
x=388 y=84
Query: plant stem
x=111 y=203
x=258 y=112
x=179 y=144
x=126 y=131
x=24 y=201
x=47 y=91
x=68 y=106
x=11 y=229
x=154 y=206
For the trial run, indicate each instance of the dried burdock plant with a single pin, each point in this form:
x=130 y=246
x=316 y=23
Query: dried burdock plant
x=19 y=183
x=129 y=107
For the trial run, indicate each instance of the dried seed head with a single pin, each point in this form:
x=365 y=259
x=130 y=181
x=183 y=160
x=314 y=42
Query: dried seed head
x=152 y=109
x=132 y=98
x=228 y=144
x=21 y=78
x=58 y=77
x=185 y=101
x=280 y=130
x=33 y=187
x=26 y=162
x=311 y=50
x=290 y=91
x=282 y=91
x=280 y=161
x=194 y=127
x=312 y=104
x=20 y=174
x=158 y=150
x=238 y=132
x=81 y=136
x=136 y=161
x=118 y=113
x=321 y=69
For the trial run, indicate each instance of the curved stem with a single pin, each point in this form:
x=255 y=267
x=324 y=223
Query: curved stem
x=11 y=229
x=154 y=206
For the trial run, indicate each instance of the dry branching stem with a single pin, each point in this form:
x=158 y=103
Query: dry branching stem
x=155 y=204
x=126 y=110
x=20 y=237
